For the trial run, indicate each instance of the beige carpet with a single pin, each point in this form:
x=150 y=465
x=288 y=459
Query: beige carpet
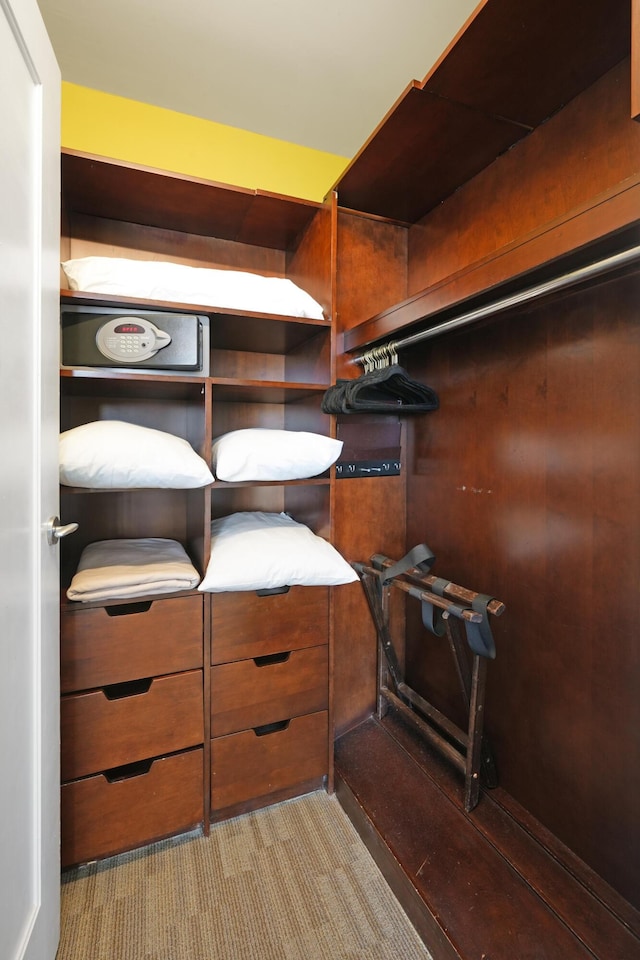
x=290 y=882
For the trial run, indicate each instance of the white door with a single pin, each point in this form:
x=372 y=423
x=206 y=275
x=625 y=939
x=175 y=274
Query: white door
x=29 y=291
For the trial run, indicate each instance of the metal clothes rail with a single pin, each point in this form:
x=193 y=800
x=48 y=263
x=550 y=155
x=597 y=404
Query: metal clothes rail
x=387 y=352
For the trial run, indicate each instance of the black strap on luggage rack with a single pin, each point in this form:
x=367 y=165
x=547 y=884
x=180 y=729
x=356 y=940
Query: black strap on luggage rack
x=460 y=615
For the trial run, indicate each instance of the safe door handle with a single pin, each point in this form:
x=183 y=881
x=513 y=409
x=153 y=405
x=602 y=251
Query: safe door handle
x=56 y=531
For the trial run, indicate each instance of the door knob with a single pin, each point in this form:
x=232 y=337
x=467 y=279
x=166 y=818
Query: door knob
x=56 y=531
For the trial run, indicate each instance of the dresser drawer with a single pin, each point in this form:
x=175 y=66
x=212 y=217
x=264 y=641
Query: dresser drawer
x=246 y=625
x=250 y=693
x=101 y=816
x=103 y=645
x=130 y=721
x=249 y=765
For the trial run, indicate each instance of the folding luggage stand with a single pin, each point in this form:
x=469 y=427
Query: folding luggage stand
x=463 y=617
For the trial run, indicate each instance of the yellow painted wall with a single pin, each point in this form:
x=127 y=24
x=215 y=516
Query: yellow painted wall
x=110 y=126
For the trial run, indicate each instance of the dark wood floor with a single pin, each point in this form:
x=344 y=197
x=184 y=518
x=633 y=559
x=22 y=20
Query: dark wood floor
x=488 y=885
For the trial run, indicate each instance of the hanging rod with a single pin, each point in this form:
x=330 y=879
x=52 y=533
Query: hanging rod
x=523 y=296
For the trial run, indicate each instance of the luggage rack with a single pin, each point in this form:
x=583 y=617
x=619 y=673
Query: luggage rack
x=462 y=617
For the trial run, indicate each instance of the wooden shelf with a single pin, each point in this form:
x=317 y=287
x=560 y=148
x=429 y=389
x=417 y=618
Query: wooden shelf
x=263 y=391
x=424 y=149
x=79 y=381
x=126 y=490
x=158 y=386
x=609 y=223
x=265 y=332
x=74 y=606
x=117 y=190
x=503 y=75
x=309 y=482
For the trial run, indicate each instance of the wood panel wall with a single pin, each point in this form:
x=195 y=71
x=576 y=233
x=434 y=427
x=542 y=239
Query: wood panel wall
x=524 y=484
x=635 y=59
x=372 y=268
x=527 y=481
x=587 y=149
x=368 y=514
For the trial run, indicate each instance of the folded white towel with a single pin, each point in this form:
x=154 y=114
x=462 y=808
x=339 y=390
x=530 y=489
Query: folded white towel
x=117 y=569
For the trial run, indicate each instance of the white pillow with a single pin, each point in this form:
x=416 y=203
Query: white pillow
x=263 y=454
x=163 y=280
x=262 y=551
x=110 y=453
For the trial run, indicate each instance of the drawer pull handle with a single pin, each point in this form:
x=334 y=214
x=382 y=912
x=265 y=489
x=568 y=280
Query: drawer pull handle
x=268 y=728
x=272 y=591
x=128 y=688
x=140 y=768
x=124 y=609
x=270 y=658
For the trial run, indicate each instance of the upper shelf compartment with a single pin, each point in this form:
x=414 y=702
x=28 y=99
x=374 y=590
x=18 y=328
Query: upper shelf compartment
x=97 y=187
x=231 y=329
x=506 y=72
x=112 y=209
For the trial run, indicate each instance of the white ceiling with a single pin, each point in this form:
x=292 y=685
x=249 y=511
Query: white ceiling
x=319 y=73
